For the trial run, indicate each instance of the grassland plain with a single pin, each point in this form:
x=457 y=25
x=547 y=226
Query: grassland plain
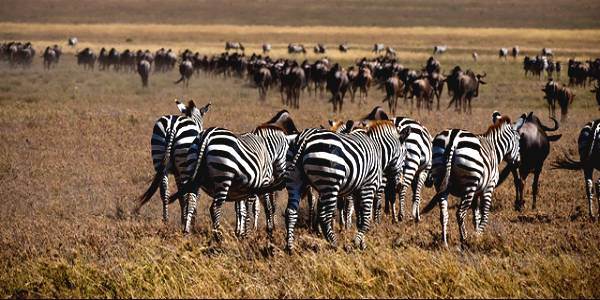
x=74 y=153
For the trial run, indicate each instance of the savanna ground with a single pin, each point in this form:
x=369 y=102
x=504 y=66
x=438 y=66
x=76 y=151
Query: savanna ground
x=74 y=154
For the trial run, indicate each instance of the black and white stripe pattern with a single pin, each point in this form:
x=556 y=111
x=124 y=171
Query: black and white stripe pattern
x=337 y=165
x=172 y=138
x=589 y=159
x=234 y=168
x=466 y=165
x=416 y=165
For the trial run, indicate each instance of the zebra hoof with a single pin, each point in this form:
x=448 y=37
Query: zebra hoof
x=360 y=243
x=217 y=235
x=289 y=249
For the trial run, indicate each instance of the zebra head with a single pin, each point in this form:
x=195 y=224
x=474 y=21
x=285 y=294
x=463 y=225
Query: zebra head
x=193 y=112
x=509 y=137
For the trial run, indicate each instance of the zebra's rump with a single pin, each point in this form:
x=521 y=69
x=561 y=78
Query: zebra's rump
x=182 y=131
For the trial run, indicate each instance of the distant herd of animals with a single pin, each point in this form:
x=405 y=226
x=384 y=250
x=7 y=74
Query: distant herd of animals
x=351 y=166
x=291 y=78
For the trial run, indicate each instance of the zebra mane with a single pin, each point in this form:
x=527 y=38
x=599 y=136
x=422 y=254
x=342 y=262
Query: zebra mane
x=374 y=124
x=503 y=120
x=281 y=121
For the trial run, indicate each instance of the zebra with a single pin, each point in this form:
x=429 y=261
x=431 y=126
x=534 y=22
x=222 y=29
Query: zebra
x=589 y=159
x=417 y=164
x=233 y=168
x=337 y=165
x=466 y=165
x=172 y=138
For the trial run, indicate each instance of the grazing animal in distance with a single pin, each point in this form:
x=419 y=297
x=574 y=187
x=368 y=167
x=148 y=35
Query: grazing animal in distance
x=547 y=52
x=234 y=45
x=378 y=48
x=440 y=49
x=475 y=56
x=50 y=57
x=143 y=68
x=344 y=47
x=534 y=147
x=554 y=92
x=320 y=49
x=394 y=88
x=263 y=79
x=87 y=58
x=186 y=70
x=72 y=41
x=589 y=159
x=515 y=51
x=266 y=48
x=503 y=53
x=337 y=84
x=466 y=165
x=467 y=88
x=296 y=48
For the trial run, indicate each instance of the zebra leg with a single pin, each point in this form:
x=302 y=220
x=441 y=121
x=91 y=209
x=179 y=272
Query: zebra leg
x=417 y=195
x=485 y=206
x=444 y=216
x=295 y=186
x=269 y=212
x=476 y=212
x=589 y=189
x=164 y=195
x=348 y=210
x=240 y=218
x=461 y=212
x=341 y=211
x=367 y=196
x=326 y=207
x=313 y=224
x=191 y=199
x=402 y=196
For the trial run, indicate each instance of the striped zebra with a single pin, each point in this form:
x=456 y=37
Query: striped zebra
x=416 y=165
x=338 y=165
x=466 y=165
x=172 y=138
x=233 y=168
x=589 y=159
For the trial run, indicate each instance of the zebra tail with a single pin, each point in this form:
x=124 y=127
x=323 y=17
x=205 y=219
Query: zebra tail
x=567 y=163
x=449 y=158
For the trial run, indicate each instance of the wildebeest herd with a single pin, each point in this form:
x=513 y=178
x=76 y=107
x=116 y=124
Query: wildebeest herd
x=292 y=78
x=351 y=166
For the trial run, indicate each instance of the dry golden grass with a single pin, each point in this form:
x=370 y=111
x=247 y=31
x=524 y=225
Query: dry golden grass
x=75 y=153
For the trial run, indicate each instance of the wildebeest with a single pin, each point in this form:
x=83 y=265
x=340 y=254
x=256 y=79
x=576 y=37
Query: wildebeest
x=186 y=70
x=266 y=48
x=423 y=90
x=72 y=41
x=515 y=51
x=378 y=48
x=292 y=81
x=143 y=68
x=394 y=88
x=320 y=49
x=578 y=72
x=440 y=49
x=87 y=58
x=554 y=92
x=536 y=65
x=234 y=45
x=467 y=88
x=344 y=47
x=503 y=53
x=534 y=147
x=50 y=57
x=362 y=82
x=262 y=79
x=337 y=84
x=296 y=48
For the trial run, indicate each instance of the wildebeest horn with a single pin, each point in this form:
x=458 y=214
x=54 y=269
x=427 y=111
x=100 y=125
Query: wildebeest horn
x=548 y=128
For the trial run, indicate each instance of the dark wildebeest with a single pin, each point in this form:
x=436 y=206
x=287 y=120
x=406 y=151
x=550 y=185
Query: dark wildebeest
x=296 y=48
x=467 y=89
x=432 y=65
x=344 y=47
x=318 y=75
x=394 y=88
x=378 y=48
x=58 y=50
x=558 y=68
x=72 y=41
x=578 y=72
x=266 y=48
x=452 y=80
x=515 y=51
x=114 y=58
x=503 y=53
x=186 y=70
x=87 y=58
x=589 y=159
x=362 y=82
x=440 y=49
x=49 y=57
x=337 y=84
x=262 y=79
x=534 y=147
x=320 y=49
x=234 y=45
x=292 y=82
x=437 y=82
x=143 y=68
x=554 y=92
x=597 y=91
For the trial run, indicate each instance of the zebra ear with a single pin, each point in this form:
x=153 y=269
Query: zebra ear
x=181 y=106
x=330 y=123
x=496 y=116
x=404 y=133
